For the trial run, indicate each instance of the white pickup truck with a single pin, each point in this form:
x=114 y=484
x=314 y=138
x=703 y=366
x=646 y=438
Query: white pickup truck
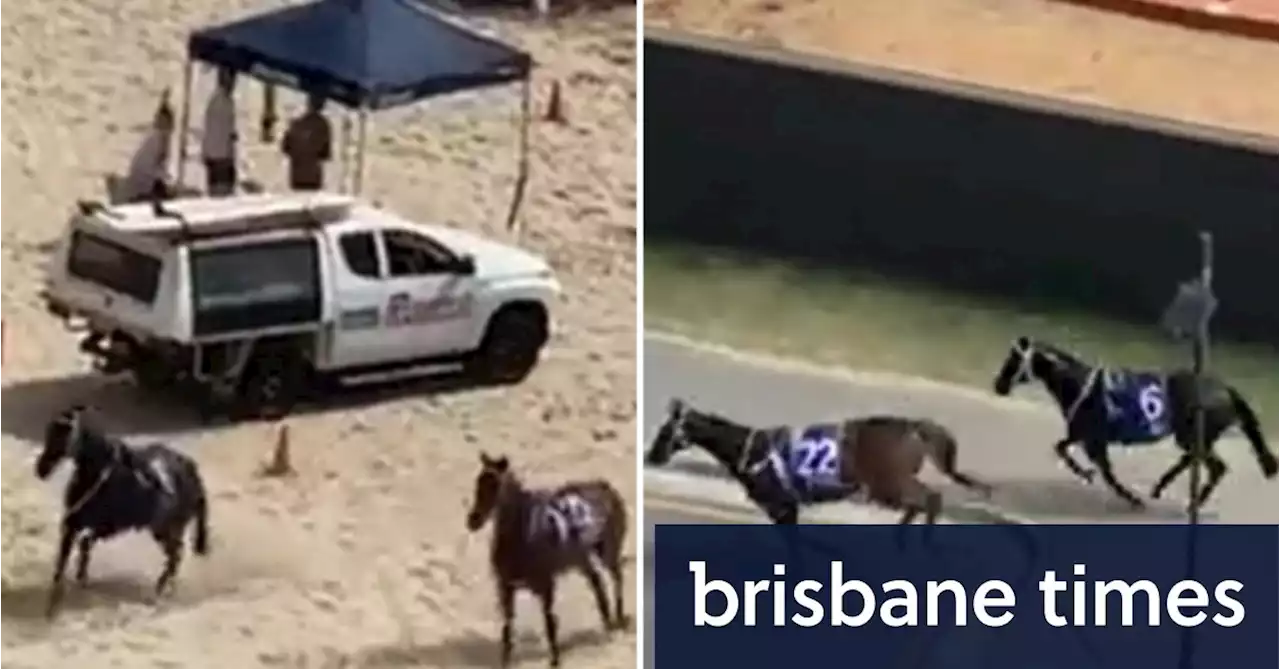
x=253 y=301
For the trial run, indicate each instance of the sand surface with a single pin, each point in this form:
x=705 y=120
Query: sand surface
x=1035 y=46
x=361 y=560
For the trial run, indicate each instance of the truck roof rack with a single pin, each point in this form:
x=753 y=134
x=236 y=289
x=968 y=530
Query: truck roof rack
x=205 y=218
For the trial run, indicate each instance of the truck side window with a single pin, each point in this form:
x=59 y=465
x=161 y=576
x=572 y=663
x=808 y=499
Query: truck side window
x=409 y=254
x=360 y=253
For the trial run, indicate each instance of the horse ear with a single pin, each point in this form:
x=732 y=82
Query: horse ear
x=1022 y=343
x=502 y=464
x=485 y=460
x=676 y=406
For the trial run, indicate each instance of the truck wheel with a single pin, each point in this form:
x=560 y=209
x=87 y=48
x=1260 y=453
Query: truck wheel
x=153 y=375
x=271 y=386
x=511 y=345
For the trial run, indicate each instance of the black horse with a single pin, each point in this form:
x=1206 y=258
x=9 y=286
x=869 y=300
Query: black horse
x=116 y=488
x=881 y=455
x=1103 y=406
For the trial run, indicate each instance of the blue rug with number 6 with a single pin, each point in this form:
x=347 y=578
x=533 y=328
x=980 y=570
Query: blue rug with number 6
x=1137 y=406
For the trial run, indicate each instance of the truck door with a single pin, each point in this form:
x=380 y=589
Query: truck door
x=431 y=299
x=360 y=336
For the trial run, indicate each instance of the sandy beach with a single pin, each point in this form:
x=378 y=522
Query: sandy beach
x=361 y=559
x=1036 y=46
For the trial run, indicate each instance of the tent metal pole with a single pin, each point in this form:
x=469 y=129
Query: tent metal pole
x=522 y=165
x=184 y=124
x=344 y=142
x=361 y=138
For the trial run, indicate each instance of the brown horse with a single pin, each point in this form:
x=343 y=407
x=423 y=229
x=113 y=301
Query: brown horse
x=882 y=455
x=539 y=534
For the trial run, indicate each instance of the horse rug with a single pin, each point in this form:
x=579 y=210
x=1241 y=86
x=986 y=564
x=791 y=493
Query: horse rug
x=811 y=461
x=567 y=518
x=1137 y=406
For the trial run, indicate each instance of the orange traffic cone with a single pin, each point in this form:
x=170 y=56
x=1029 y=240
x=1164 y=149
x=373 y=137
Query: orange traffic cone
x=281 y=464
x=555 y=108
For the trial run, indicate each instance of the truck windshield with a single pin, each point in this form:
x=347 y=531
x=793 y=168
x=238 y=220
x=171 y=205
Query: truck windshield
x=113 y=266
x=262 y=285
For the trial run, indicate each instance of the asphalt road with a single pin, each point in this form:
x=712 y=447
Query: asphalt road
x=1005 y=442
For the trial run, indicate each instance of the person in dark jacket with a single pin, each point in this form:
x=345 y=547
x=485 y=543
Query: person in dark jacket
x=308 y=145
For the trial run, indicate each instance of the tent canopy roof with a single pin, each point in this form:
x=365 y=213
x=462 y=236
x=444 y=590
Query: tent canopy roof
x=361 y=53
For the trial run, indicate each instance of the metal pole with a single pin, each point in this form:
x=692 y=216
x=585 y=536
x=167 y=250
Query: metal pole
x=1200 y=364
x=344 y=154
x=183 y=126
x=361 y=131
x=522 y=163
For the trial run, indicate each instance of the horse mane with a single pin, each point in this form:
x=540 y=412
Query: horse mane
x=1058 y=352
x=717 y=421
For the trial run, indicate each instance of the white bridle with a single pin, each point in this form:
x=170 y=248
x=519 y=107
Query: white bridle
x=1025 y=374
x=1025 y=352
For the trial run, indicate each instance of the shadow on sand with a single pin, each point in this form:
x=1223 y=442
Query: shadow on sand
x=475 y=650
x=125 y=409
x=25 y=603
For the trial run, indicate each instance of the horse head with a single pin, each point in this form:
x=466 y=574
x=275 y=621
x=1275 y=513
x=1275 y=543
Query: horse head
x=1030 y=360
x=495 y=474
x=63 y=436
x=672 y=436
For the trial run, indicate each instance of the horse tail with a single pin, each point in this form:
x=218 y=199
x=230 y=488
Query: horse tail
x=1253 y=430
x=944 y=451
x=201 y=539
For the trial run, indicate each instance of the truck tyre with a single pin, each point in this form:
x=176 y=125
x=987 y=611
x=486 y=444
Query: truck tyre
x=511 y=345
x=271 y=386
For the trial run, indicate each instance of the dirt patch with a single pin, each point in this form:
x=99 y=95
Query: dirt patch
x=1034 y=46
x=361 y=560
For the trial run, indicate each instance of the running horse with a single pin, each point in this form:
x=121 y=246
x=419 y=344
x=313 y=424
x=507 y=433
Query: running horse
x=117 y=488
x=539 y=534
x=782 y=471
x=1103 y=406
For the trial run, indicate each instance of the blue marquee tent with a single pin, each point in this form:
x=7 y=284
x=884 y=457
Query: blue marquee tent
x=363 y=54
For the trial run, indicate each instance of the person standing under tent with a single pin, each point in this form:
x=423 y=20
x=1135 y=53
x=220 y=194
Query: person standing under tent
x=147 y=177
x=308 y=145
x=218 y=143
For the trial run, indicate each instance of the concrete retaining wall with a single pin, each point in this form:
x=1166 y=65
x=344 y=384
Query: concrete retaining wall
x=872 y=169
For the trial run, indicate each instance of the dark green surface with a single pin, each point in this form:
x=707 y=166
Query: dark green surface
x=868 y=322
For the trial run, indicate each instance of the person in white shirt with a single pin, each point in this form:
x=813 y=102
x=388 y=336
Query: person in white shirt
x=148 y=169
x=218 y=145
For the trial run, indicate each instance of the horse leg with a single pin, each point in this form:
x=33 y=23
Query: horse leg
x=968 y=481
x=547 y=593
x=1098 y=454
x=594 y=580
x=82 y=567
x=170 y=539
x=1063 y=449
x=65 y=541
x=611 y=556
x=1217 y=469
x=1169 y=476
x=919 y=497
x=507 y=606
